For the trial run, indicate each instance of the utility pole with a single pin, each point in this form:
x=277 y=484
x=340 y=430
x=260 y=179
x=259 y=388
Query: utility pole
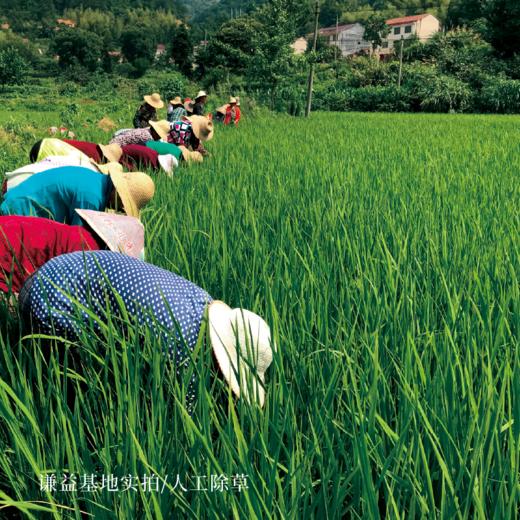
x=311 y=69
x=337 y=42
x=400 y=63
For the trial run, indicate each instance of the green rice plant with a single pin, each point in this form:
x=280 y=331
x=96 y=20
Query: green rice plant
x=383 y=250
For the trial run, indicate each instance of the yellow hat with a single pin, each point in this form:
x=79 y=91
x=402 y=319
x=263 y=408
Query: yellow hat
x=154 y=100
x=189 y=156
x=111 y=152
x=202 y=127
x=176 y=101
x=108 y=168
x=232 y=100
x=161 y=127
x=135 y=189
x=222 y=109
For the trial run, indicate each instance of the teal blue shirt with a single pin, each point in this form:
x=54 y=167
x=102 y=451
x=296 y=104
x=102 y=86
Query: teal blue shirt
x=56 y=193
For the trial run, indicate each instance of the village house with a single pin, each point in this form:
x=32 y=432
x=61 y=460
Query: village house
x=348 y=38
x=299 y=46
x=421 y=26
x=160 y=50
x=67 y=22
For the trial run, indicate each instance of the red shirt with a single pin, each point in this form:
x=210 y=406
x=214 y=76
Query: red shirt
x=89 y=149
x=26 y=243
x=228 y=118
x=136 y=156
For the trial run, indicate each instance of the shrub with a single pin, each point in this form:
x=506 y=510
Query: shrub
x=430 y=91
x=370 y=72
x=13 y=68
x=379 y=99
x=443 y=93
x=168 y=85
x=364 y=99
x=500 y=95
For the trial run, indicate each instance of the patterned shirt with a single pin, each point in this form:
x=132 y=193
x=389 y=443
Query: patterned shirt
x=167 y=304
x=132 y=136
x=176 y=113
x=143 y=115
x=181 y=134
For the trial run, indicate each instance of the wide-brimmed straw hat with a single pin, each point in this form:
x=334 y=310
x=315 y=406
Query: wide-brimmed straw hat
x=135 y=189
x=202 y=127
x=120 y=233
x=232 y=100
x=190 y=156
x=108 y=168
x=111 y=152
x=162 y=127
x=201 y=93
x=241 y=342
x=176 y=101
x=154 y=100
x=168 y=162
x=222 y=109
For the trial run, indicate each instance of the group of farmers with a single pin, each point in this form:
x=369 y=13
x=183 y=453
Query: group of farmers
x=227 y=114
x=72 y=244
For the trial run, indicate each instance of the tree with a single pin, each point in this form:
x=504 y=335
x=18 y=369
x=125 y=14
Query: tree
x=272 y=57
x=78 y=47
x=376 y=30
x=13 y=67
x=504 y=26
x=182 y=50
x=232 y=46
x=137 y=49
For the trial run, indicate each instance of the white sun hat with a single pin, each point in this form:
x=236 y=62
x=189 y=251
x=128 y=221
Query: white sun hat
x=168 y=162
x=241 y=341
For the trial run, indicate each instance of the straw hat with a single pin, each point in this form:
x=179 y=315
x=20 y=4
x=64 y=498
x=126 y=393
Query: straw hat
x=202 y=127
x=111 y=152
x=241 y=341
x=108 y=168
x=200 y=94
x=176 y=101
x=135 y=189
x=154 y=100
x=222 y=109
x=232 y=100
x=168 y=162
x=119 y=232
x=189 y=156
x=161 y=127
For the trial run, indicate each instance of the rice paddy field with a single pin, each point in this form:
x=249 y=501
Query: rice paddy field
x=383 y=251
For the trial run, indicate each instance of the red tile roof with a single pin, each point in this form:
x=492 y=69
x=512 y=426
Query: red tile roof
x=328 y=31
x=406 y=19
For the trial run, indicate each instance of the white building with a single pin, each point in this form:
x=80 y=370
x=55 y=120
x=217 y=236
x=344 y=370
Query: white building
x=348 y=38
x=423 y=26
x=299 y=46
